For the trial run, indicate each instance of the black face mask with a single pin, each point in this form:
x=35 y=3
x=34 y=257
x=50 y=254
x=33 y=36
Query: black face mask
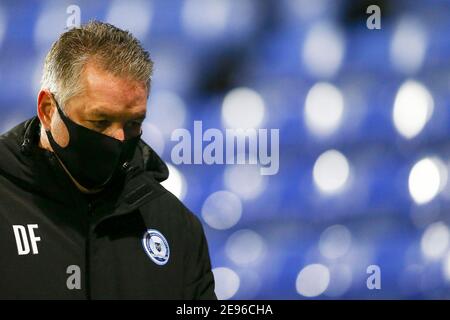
x=92 y=158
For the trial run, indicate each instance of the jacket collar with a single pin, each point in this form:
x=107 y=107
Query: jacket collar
x=39 y=170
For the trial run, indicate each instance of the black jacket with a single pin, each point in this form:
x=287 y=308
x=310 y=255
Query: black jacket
x=57 y=243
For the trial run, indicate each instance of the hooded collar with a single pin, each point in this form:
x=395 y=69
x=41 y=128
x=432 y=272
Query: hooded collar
x=38 y=171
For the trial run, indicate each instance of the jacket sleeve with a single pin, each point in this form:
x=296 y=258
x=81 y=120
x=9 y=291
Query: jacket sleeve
x=199 y=280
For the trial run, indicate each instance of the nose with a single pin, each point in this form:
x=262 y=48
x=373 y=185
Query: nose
x=119 y=134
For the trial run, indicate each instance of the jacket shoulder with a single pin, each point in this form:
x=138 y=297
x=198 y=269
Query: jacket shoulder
x=171 y=203
x=199 y=280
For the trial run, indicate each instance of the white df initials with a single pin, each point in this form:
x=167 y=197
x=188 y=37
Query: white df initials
x=26 y=238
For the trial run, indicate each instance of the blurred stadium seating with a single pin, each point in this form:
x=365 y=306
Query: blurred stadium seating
x=364 y=133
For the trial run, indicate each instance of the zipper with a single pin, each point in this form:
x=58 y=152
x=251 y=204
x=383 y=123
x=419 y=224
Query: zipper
x=88 y=253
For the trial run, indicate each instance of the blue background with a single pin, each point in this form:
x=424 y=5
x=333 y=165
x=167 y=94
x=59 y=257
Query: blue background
x=203 y=50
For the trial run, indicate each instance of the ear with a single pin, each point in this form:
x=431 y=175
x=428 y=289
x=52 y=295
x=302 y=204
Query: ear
x=45 y=108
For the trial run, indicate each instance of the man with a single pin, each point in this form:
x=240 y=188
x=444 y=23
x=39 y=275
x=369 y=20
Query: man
x=82 y=213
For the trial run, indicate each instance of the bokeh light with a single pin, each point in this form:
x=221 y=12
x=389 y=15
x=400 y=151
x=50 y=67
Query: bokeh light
x=154 y=137
x=323 y=50
x=331 y=171
x=324 y=108
x=197 y=24
x=313 y=280
x=227 y=282
x=245 y=247
x=446 y=267
x=426 y=179
x=408 y=45
x=243 y=108
x=435 y=240
x=245 y=180
x=413 y=108
x=166 y=111
x=137 y=20
x=222 y=210
x=2 y=25
x=341 y=276
x=176 y=183
x=50 y=23
x=335 y=241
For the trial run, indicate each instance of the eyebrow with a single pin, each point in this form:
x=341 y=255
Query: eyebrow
x=106 y=115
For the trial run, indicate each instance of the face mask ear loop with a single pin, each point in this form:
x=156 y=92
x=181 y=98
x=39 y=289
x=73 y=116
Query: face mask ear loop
x=60 y=111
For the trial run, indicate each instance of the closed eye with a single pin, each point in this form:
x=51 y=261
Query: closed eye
x=134 y=128
x=136 y=123
x=100 y=124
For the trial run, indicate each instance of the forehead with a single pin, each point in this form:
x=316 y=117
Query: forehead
x=106 y=93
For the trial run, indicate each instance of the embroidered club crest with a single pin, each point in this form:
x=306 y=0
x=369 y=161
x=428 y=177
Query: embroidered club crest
x=156 y=246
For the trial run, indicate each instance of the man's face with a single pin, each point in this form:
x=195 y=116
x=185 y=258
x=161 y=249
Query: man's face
x=110 y=105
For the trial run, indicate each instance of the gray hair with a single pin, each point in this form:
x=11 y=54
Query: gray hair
x=114 y=50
